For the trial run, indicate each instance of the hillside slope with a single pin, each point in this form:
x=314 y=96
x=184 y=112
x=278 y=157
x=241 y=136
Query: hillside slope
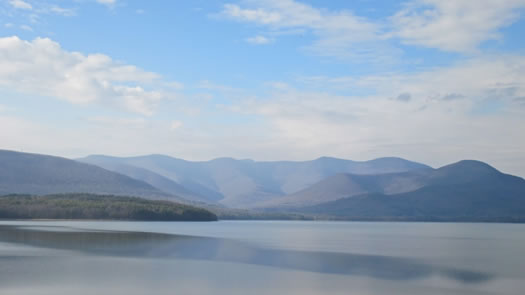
x=98 y=207
x=24 y=173
x=348 y=185
x=467 y=190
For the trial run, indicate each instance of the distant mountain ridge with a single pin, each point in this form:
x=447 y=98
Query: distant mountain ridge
x=25 y=173
x=349 y=185
x=380 y=189
x=158 y=181
x=466 y=190
x=244 y=183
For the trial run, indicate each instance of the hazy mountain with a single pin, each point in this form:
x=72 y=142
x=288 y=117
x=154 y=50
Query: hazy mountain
x=344 y=185
x=156 y=180
x=330 y=189
x=347 y=185
x=243 y=183
x=24 y=173
x=467 y=190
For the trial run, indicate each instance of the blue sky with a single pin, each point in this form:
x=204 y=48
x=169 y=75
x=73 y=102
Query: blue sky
x=428 y=80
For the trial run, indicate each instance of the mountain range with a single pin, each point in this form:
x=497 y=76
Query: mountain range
x=467 y=190
x=381 y=189
x=243 y=183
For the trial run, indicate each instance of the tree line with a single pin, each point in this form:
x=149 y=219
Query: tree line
x=98 y=207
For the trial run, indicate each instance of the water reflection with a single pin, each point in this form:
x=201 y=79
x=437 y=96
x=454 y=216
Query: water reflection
x=157 y=245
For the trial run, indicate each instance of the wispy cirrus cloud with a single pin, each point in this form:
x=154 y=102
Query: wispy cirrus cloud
x=259 y=40
x=455 y=26
x=26 y=28
x=19 y=4
x=28 y=16
x=480 y=77
x=107 y=2
x=459 y=26
x=55 y=9
x=338 y=33
x=42 y=67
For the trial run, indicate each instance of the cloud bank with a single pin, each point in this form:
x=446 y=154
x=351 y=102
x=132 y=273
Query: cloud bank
x=42 y=67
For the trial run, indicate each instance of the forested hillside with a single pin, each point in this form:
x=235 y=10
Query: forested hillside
x=100 y=207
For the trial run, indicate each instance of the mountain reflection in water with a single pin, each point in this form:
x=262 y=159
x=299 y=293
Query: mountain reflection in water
x=158 y=245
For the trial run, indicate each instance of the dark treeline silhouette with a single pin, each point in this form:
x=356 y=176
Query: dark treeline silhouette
x=104 y=207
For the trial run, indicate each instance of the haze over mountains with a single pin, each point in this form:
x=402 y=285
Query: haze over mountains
x=380 y=189
x=344 y=185
x=24 y=173
x=245 y=183
x=467 y=190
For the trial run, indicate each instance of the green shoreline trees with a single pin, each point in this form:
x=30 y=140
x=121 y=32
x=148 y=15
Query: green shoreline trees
x=102 y=207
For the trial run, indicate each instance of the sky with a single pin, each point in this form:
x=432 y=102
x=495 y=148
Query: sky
x=431 y=81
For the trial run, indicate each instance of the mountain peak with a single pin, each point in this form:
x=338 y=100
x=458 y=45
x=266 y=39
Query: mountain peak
x=470 y=166
x=465 y=171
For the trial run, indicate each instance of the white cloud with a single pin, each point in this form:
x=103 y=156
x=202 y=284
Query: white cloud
x=175 y=125
x=338 y=32
x=478 y=78
x=486 y=77
x=258 y=15
x=436 y=125
x=42 y=67
x=26 y=28
x=459 y=26
x=62 y=11
x=107 y=2
x=36 y=11
x=19 y=4
x=454 y=25
x=258 y=40
x=174 y=85
x=8 y=25
x=425 y=125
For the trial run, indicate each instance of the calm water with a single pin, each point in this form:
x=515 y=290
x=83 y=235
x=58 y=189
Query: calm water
x=261 y=257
